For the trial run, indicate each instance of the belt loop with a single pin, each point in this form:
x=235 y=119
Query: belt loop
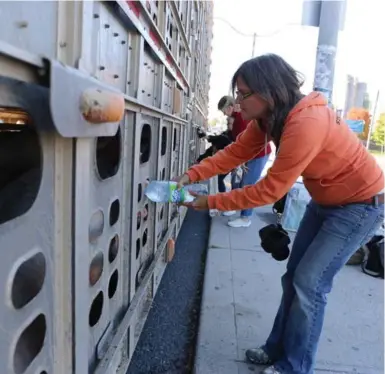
x=375 y=201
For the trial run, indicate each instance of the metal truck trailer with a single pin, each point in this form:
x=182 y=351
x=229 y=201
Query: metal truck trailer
x=96 y=98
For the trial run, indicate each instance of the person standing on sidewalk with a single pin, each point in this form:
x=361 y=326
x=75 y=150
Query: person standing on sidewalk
x=218 y=142
x=253 y=168
x=344 y=180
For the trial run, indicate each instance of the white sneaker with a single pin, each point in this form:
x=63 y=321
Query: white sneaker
x=239 y=222
x=229 y=213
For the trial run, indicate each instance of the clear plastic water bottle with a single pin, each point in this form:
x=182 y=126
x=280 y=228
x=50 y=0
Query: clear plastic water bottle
x=168 y=192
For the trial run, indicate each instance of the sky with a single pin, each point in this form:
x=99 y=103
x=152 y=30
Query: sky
x=277 y=22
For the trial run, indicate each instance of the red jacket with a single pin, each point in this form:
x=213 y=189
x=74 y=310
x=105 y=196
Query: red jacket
x=239 y=125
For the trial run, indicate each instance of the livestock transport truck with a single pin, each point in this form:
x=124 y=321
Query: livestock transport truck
x=96 y=98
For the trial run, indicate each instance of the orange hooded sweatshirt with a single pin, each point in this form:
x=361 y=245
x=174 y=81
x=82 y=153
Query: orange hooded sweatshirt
x=335 y=166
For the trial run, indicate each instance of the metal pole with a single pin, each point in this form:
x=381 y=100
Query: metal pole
x=371 y=125
x=329 y=24
x=254 y=40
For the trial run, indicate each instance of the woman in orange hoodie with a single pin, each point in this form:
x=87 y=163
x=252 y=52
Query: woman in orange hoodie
x=343 y=179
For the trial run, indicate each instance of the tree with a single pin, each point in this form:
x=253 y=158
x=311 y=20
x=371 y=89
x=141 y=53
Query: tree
x=363 y=114
x=217 y=123
x=378 y=135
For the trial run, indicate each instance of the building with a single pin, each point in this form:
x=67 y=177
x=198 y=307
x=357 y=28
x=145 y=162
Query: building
x=356 y=95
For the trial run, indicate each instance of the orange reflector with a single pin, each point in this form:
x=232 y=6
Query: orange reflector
x=170 y=250
x=98 y=106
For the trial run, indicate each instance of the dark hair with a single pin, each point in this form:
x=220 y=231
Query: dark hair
x=272 y=78
x=225 y=102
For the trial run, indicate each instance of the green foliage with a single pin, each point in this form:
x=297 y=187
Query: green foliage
x=378 y=135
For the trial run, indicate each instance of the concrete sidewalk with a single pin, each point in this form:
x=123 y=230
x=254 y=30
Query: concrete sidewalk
x=241 y=294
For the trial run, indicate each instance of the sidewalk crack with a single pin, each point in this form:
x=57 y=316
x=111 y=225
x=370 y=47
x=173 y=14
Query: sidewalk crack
x=233 y=292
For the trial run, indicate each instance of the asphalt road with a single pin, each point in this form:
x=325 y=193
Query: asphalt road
x=167 y=343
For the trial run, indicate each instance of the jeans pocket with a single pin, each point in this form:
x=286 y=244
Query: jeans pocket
x=355 y=210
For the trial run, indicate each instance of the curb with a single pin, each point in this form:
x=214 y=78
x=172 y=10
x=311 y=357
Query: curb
x=206 y=355
x=213 y=189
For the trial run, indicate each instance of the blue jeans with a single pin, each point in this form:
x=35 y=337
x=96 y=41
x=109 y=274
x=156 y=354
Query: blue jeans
x=326 y=239
x=255 y=168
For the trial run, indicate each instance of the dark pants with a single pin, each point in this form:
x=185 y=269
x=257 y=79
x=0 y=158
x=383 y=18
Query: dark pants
x=221 y=183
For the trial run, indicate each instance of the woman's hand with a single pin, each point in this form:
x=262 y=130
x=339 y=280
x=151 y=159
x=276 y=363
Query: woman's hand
x=201 y=202
x=182 y=180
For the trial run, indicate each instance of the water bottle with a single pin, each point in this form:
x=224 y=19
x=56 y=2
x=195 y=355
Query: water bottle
x=168 y=192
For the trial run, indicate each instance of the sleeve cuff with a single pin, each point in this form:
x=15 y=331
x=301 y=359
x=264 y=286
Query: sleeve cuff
x=211 y=201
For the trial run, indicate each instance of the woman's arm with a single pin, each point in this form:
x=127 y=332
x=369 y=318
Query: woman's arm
x=248 y=144
x=300 y=143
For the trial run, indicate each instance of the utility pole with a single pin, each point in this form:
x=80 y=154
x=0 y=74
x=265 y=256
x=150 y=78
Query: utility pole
x=371 y=125
x=329 y=17
x=254 y=40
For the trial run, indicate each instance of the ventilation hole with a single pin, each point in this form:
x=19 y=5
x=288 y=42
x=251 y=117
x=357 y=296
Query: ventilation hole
x=137 y=280
x=20 y=164
x=138 y=220
x=96 y=268
x=163 y=174
x=161 y=214
x=29 y=344
x=113 y=284
x=140 y=191
x=145 y=144
x=108 y=153
x=96 y=309
x=114 y=249
x=163 y=141
x=174 y=142
x=145 y=215
x=114 y=212
x=138 y=246
x=28 y=280
x=144 y=239
x=96 y=226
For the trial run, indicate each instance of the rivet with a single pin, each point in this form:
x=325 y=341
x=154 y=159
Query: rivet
x=123 y=42
x=102 y=68
x=23 y=24
x=128 y=82
x=107 y=26
x=116 y=76
x=96 y=15
x=116 y=34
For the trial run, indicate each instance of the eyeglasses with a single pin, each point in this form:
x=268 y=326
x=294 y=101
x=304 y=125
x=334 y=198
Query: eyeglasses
x=241 y=96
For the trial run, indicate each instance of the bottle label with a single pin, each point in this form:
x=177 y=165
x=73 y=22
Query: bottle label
x=176 y=196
